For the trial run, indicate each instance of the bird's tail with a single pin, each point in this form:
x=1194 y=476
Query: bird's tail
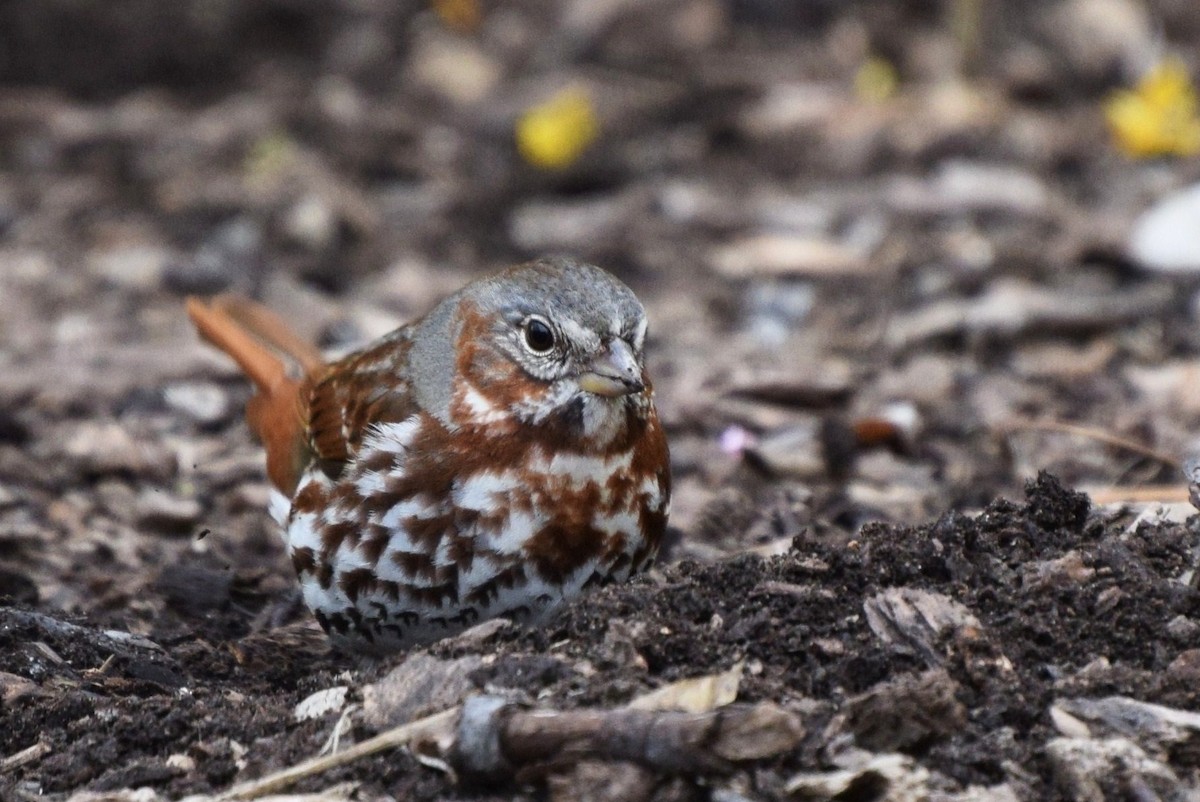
x=244 y=329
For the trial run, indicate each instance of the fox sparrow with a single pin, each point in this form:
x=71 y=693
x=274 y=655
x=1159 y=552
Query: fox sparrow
x=493 y=458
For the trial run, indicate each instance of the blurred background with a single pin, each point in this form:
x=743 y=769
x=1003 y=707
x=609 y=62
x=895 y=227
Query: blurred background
x=892 y=251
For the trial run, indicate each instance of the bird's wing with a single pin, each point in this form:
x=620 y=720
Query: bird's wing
x=322 y=416
x=347 y=397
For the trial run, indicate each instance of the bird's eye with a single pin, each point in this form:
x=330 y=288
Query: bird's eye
x=538 y=335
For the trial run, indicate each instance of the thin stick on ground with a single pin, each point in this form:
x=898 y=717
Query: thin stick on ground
x=1148 y=494
x=1099 y=435
x=403 y=735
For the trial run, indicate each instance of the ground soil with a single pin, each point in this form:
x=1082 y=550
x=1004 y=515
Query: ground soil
x=870 y=318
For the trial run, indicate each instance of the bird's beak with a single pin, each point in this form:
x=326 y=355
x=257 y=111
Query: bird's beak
x=614 y=372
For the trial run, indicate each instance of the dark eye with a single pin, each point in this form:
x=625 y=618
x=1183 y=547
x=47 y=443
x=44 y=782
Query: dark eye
x=538 y=335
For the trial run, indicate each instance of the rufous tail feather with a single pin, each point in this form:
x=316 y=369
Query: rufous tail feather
x=240 y=327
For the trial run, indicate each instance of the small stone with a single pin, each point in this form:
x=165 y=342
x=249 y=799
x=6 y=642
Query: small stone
x=164 y=512
x=1183 y=628
x=205 y=403
x=456 y=68
x=16 y=689
x=311 y=223
x=134 y=267
x=1067 y=571
x=1164 y=238
x=102 y=448
x=181 y=763
x=1186 y=665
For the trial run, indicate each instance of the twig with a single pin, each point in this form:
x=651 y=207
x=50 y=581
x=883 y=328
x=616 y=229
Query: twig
x=487 y=737
x=496 y=740
x=1098 y=435
x=27 y=755
x=438 y=723
x=1148 y=494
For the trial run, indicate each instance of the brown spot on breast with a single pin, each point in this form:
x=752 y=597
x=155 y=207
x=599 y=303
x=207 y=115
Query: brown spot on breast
x=334 y=534
x=556 y=551
x=311 y=498
x=376 y=462
x=375 y=542
x=324 y=574
x=415 y=564
x=487 y=592
x=355 y=582
x=303 y=560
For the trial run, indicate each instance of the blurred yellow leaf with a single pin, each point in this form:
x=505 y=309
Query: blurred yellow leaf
x=459 y=15
x=876 y=80
x=1159 y=116
x=552 y=135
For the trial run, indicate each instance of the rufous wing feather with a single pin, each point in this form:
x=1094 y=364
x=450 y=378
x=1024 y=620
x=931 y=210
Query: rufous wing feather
x=276 y=413
x=362 y=389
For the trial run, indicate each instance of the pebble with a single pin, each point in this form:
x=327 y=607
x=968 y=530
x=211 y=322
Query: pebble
x=1166 y=237
x=311 y=223
x=116 y=498
x=131 y=267
x=101 y=448
x=455 y=68
x=164 y=512
x=418 y=686
x=1183 y=628
x=203 y=402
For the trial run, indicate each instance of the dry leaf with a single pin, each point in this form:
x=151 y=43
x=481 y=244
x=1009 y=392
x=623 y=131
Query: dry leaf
x=695 y=695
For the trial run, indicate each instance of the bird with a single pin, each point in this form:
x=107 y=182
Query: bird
x=495 y=458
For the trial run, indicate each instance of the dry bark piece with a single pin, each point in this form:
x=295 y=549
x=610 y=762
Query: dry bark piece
x=1063 y=572
x=1091 y=770
x=905 y=712
x=910 y=619
x=1152 y=727
x=417 y=687
x=495 y=740
x=316 y=705
x=888 y=776
x=601 y=781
